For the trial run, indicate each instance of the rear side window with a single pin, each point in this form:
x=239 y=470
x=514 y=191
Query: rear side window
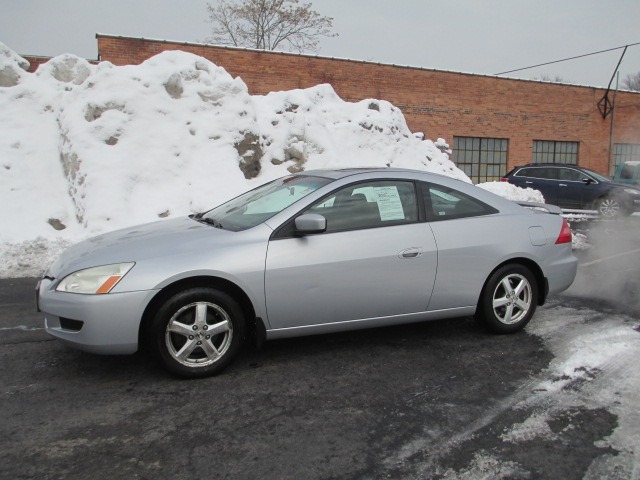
x=442 y=203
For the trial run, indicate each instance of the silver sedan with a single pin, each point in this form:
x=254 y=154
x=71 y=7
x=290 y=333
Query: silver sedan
x=311 y=253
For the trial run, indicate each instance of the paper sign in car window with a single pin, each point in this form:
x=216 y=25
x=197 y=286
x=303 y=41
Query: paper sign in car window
x=389 y=203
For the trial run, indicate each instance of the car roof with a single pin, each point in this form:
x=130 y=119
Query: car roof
x=492 y=199
x=339 y=173
x=572 y=165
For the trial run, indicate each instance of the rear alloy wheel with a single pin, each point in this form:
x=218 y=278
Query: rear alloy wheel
x=197 y=332
x=609 y=207
x=509 y=299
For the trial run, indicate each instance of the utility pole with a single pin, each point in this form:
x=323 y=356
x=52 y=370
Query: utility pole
x=604 y=105
x=613 y=115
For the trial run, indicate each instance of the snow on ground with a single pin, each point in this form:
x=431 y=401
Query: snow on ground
x=594 y=369
x=595 y=366
x=86 y=149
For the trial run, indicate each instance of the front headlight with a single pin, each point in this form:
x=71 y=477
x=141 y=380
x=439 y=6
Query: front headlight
x=632 y=191
x=96 y=280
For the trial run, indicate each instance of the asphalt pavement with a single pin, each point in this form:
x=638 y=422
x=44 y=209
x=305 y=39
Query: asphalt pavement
x=432 y=400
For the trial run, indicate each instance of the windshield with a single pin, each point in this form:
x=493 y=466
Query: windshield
x=262 y=203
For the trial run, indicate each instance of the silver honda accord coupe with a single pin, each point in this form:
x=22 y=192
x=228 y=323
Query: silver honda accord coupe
x=315 y=252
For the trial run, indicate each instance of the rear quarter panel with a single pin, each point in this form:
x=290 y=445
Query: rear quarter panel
x=469 y=249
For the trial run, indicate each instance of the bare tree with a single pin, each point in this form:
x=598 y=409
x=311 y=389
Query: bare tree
x=632 y=82
x=548 y=78
x=268 y=24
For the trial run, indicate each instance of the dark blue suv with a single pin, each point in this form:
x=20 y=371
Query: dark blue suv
x=574 y=188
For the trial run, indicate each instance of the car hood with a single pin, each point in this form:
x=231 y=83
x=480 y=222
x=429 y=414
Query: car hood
x=134 y=244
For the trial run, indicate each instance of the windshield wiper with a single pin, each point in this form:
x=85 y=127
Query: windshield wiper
x=211 y=221
x=198 y=217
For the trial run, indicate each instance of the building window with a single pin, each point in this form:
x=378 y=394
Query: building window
x=482 y=159
x=624 y=152
x=549 y=151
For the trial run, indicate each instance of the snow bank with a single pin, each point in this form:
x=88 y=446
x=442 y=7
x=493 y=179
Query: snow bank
x=12 y=67
x=87 y=148
x=512 y=192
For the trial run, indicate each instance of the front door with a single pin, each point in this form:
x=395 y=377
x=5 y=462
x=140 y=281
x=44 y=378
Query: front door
x=374 y=260
x=571 y=188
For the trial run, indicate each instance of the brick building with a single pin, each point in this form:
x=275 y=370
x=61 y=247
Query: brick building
x=492 y=123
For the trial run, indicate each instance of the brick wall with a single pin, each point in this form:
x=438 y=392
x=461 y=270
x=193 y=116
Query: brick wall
x=440 y=104
x=35 y=62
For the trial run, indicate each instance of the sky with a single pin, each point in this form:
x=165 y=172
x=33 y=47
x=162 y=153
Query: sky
x=482 y=37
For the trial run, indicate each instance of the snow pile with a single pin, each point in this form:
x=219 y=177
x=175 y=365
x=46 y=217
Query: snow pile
x=512 y=192
x=85 y=148
x=12 y=67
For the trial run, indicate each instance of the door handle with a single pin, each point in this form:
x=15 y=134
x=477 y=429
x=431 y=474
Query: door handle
x=412 y=252
x=563 y=185
x=527 y=181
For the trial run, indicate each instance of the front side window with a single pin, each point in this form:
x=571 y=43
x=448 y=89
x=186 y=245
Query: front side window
x=442 y=203
x=369 y=205
x=260 y=204
x=594 y=176
x=571 y=175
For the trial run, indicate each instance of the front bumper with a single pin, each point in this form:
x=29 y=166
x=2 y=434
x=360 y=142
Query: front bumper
x=104 y=324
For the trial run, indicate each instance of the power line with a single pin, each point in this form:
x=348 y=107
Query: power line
x=570 y=58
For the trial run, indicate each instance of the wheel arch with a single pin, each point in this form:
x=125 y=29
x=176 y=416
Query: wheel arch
x=534 y=268
x=218 y=283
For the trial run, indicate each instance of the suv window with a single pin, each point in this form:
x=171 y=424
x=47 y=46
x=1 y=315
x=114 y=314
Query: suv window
x=442 y=203
x=571 y=175
x=538 y=172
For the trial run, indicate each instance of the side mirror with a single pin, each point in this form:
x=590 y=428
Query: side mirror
x=587 y=181
x=310 y=223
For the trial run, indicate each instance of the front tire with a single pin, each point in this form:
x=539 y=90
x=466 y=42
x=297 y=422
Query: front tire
x=508 y=300
x=610 y=207
x=197 y=332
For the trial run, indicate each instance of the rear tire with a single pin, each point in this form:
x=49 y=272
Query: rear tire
x=508 y=300
x=197 y=332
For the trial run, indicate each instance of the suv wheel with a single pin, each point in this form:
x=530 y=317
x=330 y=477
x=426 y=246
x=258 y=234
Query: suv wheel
x=609 y=207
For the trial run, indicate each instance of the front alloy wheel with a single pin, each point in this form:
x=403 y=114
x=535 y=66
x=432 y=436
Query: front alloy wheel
x=197 y=332
x=609 y=207
x=509 y=299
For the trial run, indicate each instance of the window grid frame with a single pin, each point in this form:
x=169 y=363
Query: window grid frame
x=623 y=152
x=555 y=151
x=482 y=159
